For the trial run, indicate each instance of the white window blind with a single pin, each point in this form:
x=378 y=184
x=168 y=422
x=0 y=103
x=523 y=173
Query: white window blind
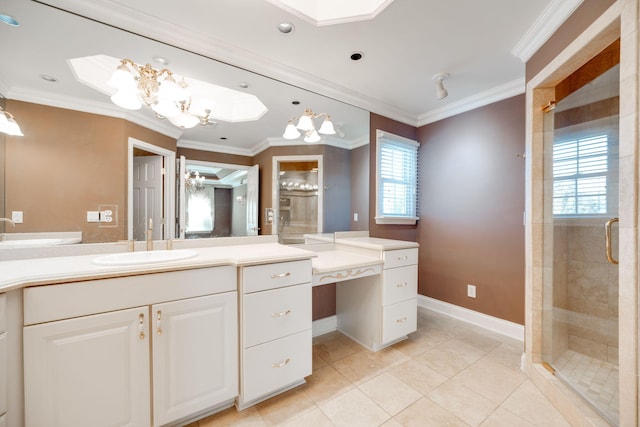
x=397 y=179
x=580 y=168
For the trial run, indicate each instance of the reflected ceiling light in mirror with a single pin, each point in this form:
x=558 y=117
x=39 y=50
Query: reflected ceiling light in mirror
x=8 y=124
x=307 y=126
x=193 y=182
x=157 y=89
x=230 y=105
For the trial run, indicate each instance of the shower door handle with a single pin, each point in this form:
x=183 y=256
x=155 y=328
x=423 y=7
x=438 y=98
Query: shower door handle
x=607 y=235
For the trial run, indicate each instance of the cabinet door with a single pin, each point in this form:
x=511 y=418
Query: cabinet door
x=88 y=371
x=195 y=355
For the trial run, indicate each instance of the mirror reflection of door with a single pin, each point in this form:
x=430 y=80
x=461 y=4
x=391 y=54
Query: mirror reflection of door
x=147 y=193
x=299 y=202
x=217 y=200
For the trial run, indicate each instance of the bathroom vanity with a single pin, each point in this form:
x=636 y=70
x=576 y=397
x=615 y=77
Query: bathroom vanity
x=166 y=343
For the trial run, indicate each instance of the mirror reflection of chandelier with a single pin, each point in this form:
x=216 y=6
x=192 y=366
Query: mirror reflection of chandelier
x=157 y=89
x=306 y=125
x=193 y=182
x=8 y=124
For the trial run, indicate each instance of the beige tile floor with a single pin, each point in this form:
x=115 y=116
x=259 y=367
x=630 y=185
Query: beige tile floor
x=448 y=373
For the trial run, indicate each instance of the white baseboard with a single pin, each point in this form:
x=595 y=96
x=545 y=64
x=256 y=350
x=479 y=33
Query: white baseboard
x=324 y=326
x=495 y=324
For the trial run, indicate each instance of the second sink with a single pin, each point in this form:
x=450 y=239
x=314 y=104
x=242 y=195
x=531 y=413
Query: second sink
x=148 y=257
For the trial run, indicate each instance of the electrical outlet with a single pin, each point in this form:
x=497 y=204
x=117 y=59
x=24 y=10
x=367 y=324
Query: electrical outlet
x=471 y=290
x=17 y=217
x=355 y=216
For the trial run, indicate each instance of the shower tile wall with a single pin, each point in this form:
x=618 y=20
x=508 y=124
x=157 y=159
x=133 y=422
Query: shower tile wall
x=585 y=292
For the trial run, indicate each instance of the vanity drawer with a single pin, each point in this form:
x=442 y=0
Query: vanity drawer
x=399 y=320
x=3 y=313
x=276 y=364
x=270 y=276
x=399 y=284
x=276 y=313
x=400 y=257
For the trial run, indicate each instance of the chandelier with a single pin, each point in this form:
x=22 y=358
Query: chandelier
x=8 y=124
x=157 y=89
x=306 y=125
x=193 y=183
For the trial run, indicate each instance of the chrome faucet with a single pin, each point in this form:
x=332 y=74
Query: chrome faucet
x=8 y=220
x=150 y=235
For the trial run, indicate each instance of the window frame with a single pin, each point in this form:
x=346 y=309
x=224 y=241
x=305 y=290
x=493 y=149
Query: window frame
x=412 y=217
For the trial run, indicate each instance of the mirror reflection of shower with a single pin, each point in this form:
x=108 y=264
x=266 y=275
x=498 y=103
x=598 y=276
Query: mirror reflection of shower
x=298 y=201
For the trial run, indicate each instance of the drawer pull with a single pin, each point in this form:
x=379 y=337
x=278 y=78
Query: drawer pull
x=401 y=285
x=280 y=276
x=281 y=314
x=281 y=364
x=402 y=258
x=141 y=326
x=404 y=319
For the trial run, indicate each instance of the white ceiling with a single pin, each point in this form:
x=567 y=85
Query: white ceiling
x=481 y=43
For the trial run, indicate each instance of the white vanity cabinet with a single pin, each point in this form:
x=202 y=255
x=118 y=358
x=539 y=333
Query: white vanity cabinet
x=275 y=325
x=4 y=373
x=380 y=309
x=142 y=350
x=399 y=294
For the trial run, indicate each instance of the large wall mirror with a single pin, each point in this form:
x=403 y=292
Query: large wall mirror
x=73 y=159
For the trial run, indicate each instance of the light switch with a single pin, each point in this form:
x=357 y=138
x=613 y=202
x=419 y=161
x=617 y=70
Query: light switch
x=93 y=216
x=17 y=217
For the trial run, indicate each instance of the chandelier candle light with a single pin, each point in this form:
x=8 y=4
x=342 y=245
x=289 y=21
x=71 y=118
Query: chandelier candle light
x=8 y=124
x=306 y=125
x=157 y=89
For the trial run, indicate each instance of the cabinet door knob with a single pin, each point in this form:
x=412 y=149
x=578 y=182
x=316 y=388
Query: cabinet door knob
x=141 y=326
x=158 y=322
x=404 y=319
x=400 y=258
x=281 y=364
x=280 y=276
x=281 y=314
x=401 y=285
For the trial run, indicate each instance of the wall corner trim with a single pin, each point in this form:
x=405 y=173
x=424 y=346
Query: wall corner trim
x=495 y=324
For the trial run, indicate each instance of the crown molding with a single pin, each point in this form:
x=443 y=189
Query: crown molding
x=94 y=107
x=499 y=93
x=551 y=18
x=216 y=148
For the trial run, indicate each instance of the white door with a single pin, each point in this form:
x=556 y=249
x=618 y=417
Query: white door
x=147 y=196
x=195 y=355
x=253 y=191
x=88 y=371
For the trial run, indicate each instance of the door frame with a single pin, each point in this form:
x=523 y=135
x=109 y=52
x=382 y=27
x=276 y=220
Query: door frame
x=168 y=198
x=275 y=186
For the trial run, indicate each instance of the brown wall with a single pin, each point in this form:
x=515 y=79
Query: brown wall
x=471 y=209
x=55 y=176
x=583 y=16
x=399 y=232
x=360 y=188
x=210 y=156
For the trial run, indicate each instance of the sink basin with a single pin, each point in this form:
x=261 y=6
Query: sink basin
x=31 y=242
x=148 y=257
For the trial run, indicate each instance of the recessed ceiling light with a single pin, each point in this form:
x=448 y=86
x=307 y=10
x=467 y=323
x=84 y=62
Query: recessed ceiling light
x=356 y=56
x=223 y=137
x=48 y=78
x=285 y=27
x=295 y=102
x=9 y=20
x=243 y=85
x=161 y=60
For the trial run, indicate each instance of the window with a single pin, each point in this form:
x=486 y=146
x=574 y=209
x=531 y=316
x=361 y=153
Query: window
x=200 y=211
x=580 y=168
x=397 y=179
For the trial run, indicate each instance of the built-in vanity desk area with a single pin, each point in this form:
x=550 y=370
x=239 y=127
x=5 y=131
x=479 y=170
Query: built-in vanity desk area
x=222 y=322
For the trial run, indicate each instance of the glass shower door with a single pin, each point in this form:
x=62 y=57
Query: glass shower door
x=581 y=206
